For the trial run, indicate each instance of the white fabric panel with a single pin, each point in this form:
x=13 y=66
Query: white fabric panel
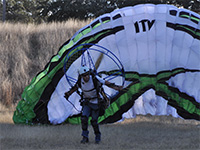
x=59 y=108
x=151 y=104
x=187 y=83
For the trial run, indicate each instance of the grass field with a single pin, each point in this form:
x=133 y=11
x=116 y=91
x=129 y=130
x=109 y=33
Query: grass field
x=142 y=133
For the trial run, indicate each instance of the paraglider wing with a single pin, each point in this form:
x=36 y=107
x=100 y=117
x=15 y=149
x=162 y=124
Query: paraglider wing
x=159 y=48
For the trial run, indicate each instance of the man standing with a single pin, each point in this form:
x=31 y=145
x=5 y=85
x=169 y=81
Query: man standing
x=90 y=101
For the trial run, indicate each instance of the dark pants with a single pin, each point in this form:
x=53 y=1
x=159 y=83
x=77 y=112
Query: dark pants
x=93 y=111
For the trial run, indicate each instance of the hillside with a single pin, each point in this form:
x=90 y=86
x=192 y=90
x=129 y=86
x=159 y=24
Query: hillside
x=26 y=49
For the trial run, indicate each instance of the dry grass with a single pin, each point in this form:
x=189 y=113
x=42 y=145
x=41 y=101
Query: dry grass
x=132 y=135
x=142 y=133
x=25 y=50
x=6 y=113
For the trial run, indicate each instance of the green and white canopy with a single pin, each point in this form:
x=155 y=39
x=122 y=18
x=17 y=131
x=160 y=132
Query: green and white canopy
x=159 y=48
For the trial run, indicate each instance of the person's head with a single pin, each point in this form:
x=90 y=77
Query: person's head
x=85 y=72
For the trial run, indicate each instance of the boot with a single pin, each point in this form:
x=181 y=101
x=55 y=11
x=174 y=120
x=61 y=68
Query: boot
x=84 y=140
x=98 y=138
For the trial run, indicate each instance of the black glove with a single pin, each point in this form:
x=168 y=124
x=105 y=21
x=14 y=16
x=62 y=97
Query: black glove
x=67 y=95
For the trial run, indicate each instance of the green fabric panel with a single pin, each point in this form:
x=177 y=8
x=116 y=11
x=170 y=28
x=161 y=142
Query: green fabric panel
x=64 y=48
x=31 y=96
x=131 y=76
x=185 y=16
x=55 y=58
x=106 y=21
x=194 y=32
x=77 y=37
x=86 y=31
x=196 y=19
x=97 y=25
x=182 y=102
x=190 y=17
x=74 y=120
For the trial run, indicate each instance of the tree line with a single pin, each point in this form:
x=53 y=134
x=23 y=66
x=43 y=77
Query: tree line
x=38 y=11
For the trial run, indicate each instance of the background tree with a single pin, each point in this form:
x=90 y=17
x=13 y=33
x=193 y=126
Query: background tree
x=24 y=11
x=1 y=10
x=38 y=11
x=20 y=11
x=61 y=10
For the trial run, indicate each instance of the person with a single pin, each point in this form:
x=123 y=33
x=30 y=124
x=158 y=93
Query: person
x=90 y=101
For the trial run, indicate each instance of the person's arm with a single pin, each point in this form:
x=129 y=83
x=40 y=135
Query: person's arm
x=109 y=84
x=72 y=90
x=113 y=85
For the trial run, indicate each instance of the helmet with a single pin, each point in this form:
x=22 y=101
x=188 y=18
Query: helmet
x=84 y=69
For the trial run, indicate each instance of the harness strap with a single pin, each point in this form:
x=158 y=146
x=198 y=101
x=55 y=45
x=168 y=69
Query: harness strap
x=88 y=90
x=90 y=98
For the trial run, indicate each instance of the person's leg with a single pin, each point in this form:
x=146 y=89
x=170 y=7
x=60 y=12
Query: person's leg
x=84 y=123
x=95 y=125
